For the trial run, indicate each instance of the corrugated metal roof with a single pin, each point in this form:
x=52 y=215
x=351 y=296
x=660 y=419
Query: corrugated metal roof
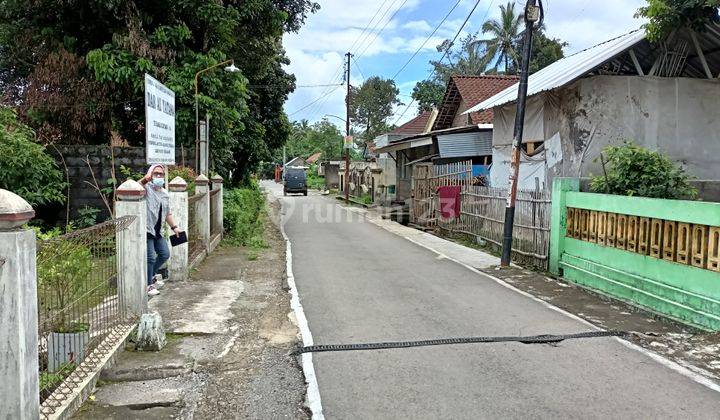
x=565 y=70
x=465 y=144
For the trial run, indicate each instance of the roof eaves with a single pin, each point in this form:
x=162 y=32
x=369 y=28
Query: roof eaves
x=565 y=70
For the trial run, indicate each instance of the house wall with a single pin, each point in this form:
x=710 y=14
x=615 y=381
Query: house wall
x=332 y=179
x=676 y=116
x=385 y=190
x=461 y=120
x=403 y=189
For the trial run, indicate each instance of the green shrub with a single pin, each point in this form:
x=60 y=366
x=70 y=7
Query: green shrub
x=635 y=171
x=25 y=166
x=87 y=216
x=366 y=199
x=185 y=172
x=63 y=269
x=313 y=180
x=244 y=212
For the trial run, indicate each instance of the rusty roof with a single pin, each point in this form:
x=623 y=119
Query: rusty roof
x=472 y=90
x=314 y=157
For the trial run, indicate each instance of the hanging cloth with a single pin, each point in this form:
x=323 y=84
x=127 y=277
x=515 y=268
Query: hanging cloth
x=449 y=201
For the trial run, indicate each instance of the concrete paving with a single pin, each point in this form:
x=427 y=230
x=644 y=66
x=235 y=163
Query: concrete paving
x=227 y=356
x=361 y=283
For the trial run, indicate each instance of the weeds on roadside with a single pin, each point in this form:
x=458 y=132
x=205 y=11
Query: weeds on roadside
x=244 y=216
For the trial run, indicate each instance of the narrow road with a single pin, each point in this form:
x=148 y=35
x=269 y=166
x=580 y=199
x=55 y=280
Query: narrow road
x=360 y=283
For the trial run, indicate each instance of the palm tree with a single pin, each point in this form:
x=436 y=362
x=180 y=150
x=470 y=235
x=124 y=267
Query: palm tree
x=500 y=48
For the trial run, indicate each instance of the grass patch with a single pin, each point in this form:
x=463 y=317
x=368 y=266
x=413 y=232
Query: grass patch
x=252 y=255
x=244 y=216
x=315 y=181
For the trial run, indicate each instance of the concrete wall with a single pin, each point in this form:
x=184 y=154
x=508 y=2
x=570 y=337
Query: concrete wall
x=676 y=274
x=332 y=179
x=386 y=182
x=81 y=193
x=676 y=116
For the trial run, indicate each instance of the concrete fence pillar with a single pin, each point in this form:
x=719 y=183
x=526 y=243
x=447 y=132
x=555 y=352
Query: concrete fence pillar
x=19 y=368
x=558 y=220
x=132 y=249
x=217 y=184
x=178 y=263
x=202 y=211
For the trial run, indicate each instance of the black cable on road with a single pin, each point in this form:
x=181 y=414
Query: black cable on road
x=533 y=339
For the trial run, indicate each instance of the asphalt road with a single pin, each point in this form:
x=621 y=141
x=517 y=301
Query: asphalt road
x=360 y=283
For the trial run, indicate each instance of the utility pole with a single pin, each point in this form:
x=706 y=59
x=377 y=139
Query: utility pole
x=347 y=129
x=533 y=14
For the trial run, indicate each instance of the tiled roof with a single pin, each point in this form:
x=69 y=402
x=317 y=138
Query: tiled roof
x=414 y=126
x=314 y=157
x=472 y=90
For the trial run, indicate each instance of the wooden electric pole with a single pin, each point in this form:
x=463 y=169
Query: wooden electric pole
x=532 y=15
x=347 y=129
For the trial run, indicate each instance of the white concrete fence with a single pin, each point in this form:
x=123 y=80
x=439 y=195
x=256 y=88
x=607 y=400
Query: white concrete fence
x=19 y=336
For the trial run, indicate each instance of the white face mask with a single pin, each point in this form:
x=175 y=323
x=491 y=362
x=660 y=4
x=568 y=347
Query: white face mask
x=158 y=182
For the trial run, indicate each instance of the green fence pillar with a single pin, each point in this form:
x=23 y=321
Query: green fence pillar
x=558 y=221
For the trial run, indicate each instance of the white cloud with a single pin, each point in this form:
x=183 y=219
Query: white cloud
x=316 y=52
x=585 y=23
x=418 y=25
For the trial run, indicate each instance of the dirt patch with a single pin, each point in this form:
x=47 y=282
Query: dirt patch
x=230 y=331
x=257 y=379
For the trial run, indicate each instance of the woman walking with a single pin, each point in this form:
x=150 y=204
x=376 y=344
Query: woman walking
x=158 y=209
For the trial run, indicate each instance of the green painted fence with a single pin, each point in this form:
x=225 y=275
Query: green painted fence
x=661 y=255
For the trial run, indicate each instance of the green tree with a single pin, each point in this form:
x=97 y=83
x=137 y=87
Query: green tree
x=428 y=94
x=470 y=58
x=501 y=48
x=545 y=51
x=371 y=105
x=635 y=171
x=76 y=69
x=307 y=139
x=25 y=167
x=666 y=15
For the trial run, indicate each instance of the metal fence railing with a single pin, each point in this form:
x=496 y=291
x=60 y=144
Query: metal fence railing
x=80 y=317
x=215 y=198
x=195 y=242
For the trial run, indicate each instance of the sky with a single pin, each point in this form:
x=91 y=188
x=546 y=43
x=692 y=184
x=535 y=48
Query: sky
x=383 y=35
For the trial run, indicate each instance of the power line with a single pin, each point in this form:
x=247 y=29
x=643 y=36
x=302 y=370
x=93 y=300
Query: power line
x=316 y=100
x=297 y=86
x=383 y=28
x=338 y=71
x=358 y=68
x=84 y=105
x=371 y=20
x=447 y=51
x=427 y=39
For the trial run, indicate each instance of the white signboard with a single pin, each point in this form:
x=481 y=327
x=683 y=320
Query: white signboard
x=159 y=122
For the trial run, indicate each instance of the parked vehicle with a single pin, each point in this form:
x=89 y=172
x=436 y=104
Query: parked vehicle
x=294 y=180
